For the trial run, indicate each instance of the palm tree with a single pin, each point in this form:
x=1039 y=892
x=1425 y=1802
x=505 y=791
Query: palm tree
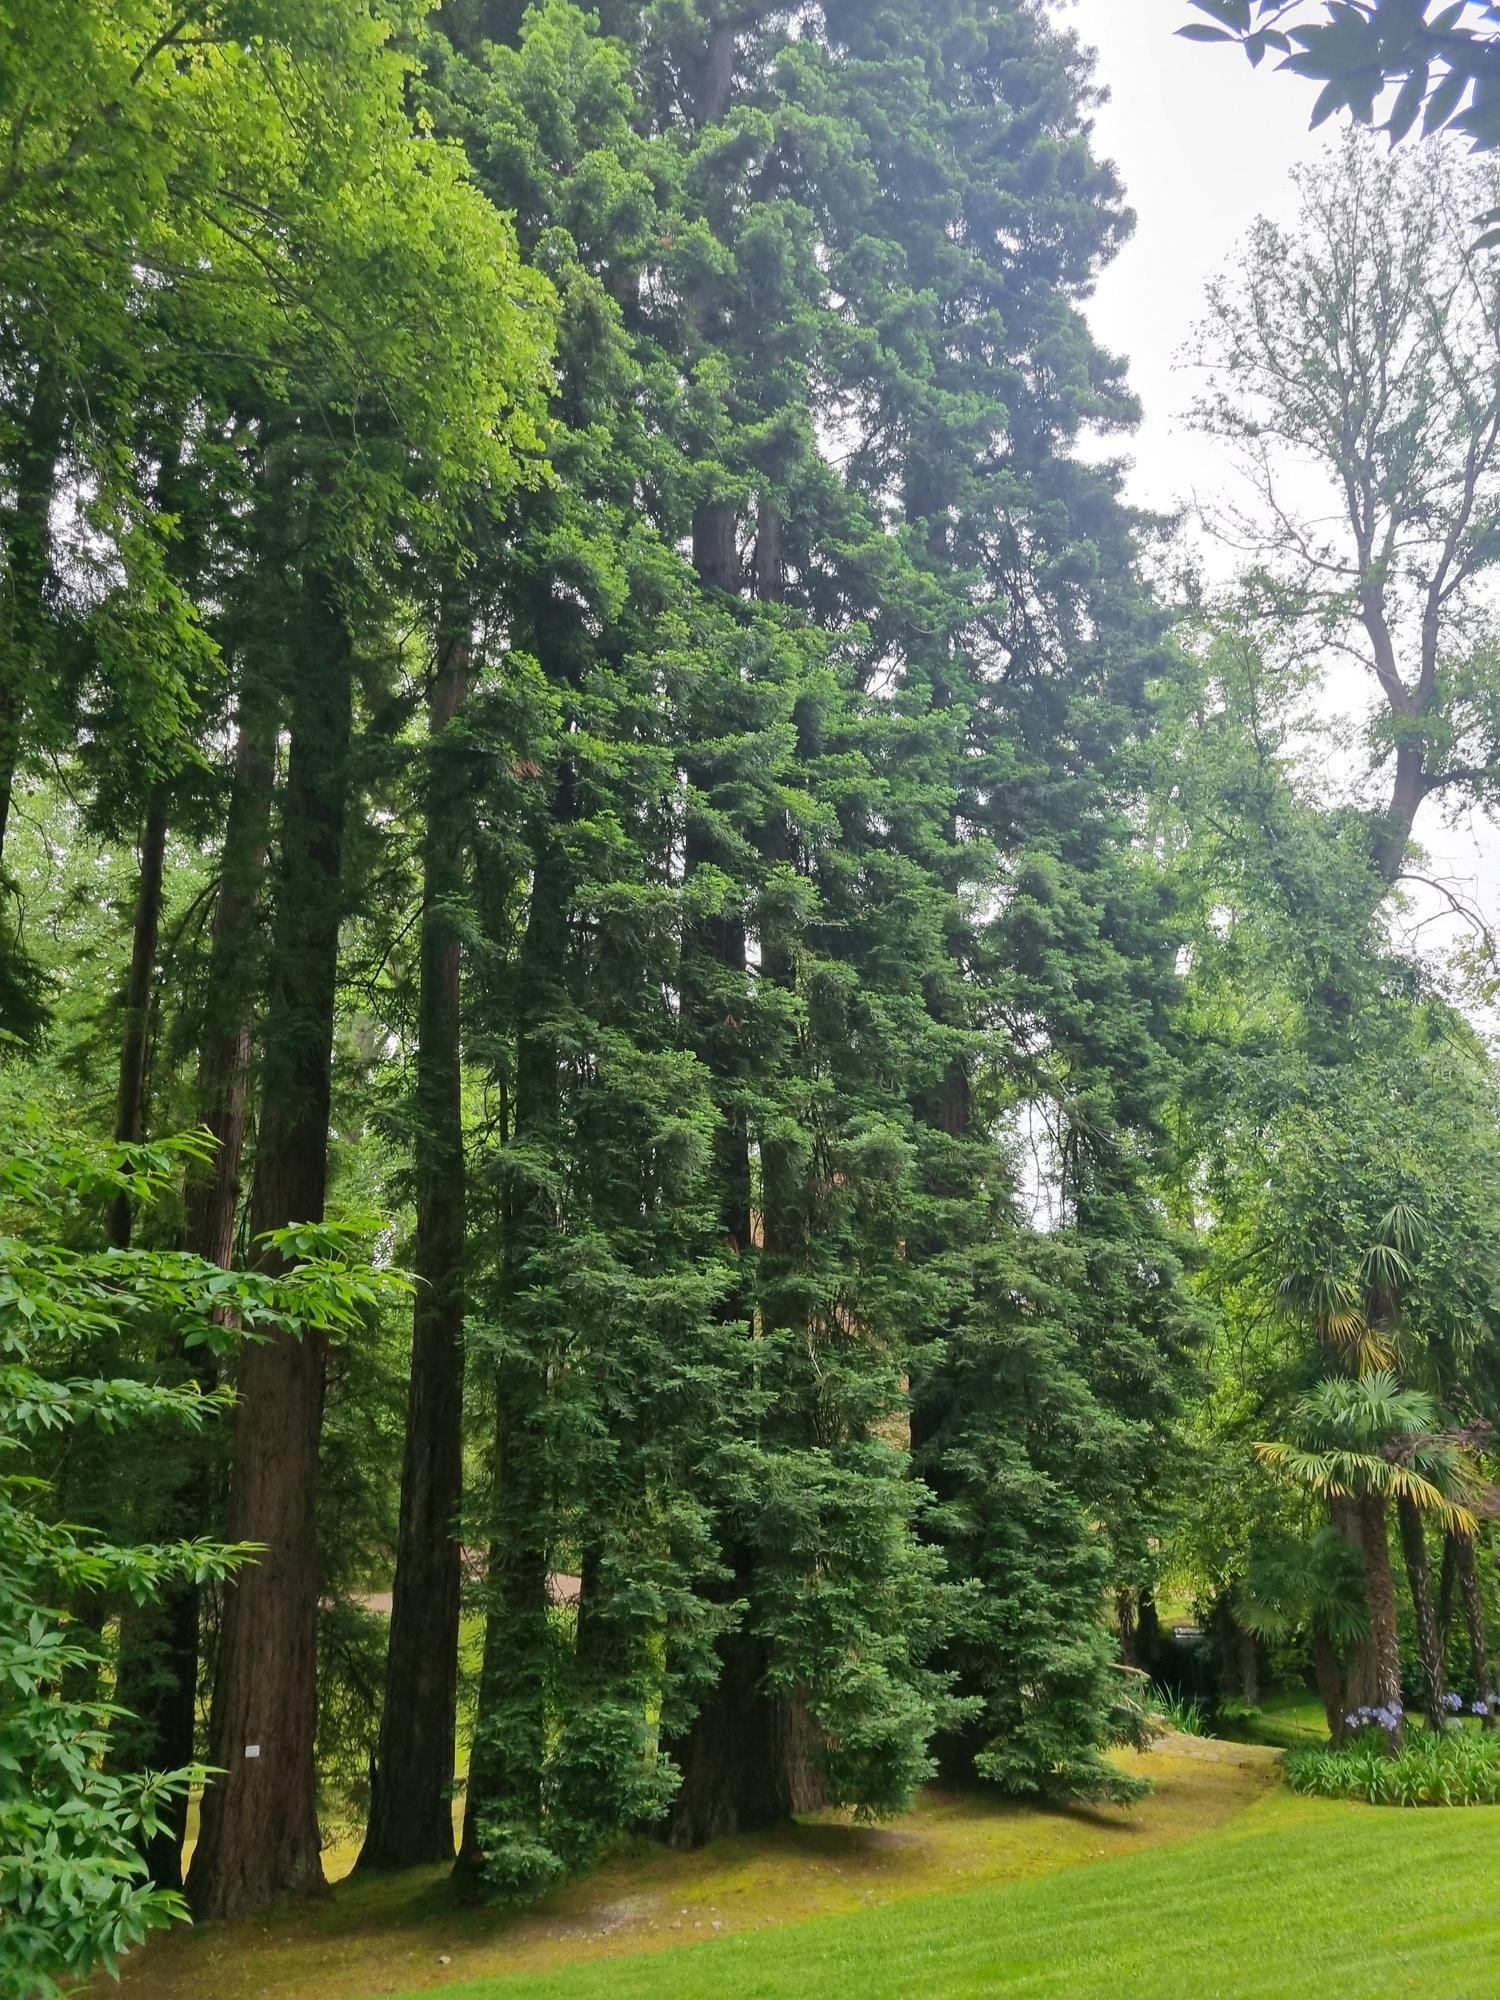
x=1359 y=1443
x=1317 y=1583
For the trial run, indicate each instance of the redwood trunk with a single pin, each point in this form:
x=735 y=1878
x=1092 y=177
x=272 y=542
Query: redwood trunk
x=158 y=1678
x=796 y=1737
x=135 y=1037
x=157 y=1683
x=731 y=1777
x=211 y=1197
x=411 y=1807
x=259 y=1836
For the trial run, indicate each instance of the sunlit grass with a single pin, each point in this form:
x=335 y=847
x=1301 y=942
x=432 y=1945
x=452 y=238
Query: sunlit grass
x=1297 y=1898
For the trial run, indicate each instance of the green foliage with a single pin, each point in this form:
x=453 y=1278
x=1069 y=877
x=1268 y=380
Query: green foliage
x=73 y=1883
x=1294 y=1581
x=1442 y=57
x=1460 y=1767
x=1342 y=1434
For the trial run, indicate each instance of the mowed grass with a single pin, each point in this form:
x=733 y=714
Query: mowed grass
x=1222 y=1886
x=373 y=1938
x=1295 y=1899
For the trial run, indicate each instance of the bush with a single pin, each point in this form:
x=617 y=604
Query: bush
x=1459 y=1768
x=74 y=1887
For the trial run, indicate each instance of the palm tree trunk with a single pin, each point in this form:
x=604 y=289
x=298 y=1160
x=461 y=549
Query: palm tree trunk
x=1447 y=1591
x=1419 y=1578
x=1467 y=1562
x=1380 y=1586
x=1329 y=1680
x=1359 y=1672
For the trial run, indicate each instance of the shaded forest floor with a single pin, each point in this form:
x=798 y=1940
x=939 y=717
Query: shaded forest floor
x=371 y=1939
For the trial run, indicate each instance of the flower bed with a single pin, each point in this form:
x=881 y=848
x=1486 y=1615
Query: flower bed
x=1461 y=1767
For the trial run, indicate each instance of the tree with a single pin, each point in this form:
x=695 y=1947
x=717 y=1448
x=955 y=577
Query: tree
x=1317 y=1580
x=1442 y=62
x=411 y=1814
x=371 y=411
x=1337 y=1128
x=1337 y=1449
x=1359 y=350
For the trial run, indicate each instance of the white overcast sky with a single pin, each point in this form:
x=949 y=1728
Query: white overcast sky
x=1204 y=144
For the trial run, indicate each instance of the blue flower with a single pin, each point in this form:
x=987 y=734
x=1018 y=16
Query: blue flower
x=1481 y=1708
x=1454 y=1703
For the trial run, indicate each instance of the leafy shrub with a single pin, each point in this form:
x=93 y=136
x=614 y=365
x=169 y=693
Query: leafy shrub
x=1459 y=1768
x=74 y=1888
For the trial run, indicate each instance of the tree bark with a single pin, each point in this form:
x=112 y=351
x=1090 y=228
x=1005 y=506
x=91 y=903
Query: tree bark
x=732 y=1779
x=1380 y=1585
x=411 y=1807
x=158 y=1673
x=157 y=1681
x=259 y=1836
x=733 y=1772
x=1393 y=833
x=1247 y=1658
x=135 y=1037
x=151 y=1636
x=1467 y=1561
x=716 y=83
x=1419 y=1580
x=1447 y=1591
x=1359 y=1675
x=211 y=1195
x=1329 y=1680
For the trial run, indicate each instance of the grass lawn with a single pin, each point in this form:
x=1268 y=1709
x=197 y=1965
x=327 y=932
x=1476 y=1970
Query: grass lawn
x=1291 y=1901
x=1222 y=1884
